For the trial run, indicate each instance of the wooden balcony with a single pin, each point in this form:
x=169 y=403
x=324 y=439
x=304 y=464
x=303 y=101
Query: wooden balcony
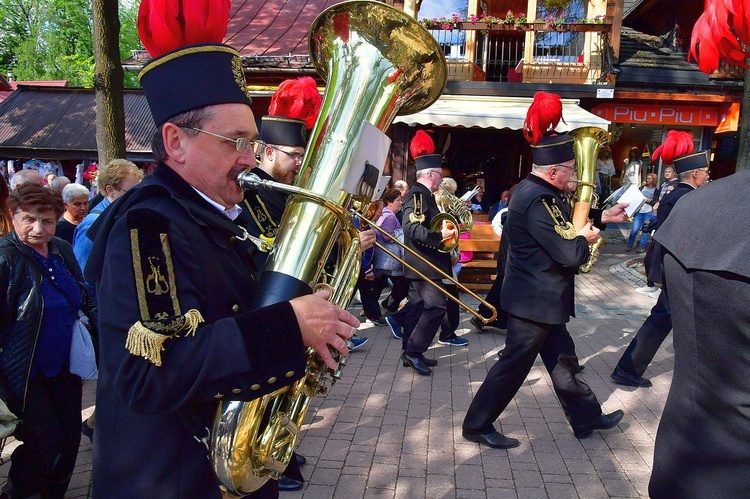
x=525 y=53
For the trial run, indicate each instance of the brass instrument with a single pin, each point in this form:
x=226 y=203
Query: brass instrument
x=586 y=143
x=378 y=62
x=455 y=212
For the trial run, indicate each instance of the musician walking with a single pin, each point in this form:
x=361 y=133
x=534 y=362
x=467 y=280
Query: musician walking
x=545 y=253
x=175 y=284
x=424 y=313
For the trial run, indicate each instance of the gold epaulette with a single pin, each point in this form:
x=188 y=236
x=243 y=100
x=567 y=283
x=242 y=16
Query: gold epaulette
x=563 y=227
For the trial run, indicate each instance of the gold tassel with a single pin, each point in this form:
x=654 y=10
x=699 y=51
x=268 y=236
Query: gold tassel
x=145 y=343
x=193 y=318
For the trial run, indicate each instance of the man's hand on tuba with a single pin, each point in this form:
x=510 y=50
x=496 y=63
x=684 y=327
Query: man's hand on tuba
x=448 y=230
x=590 y=232
x=615 y=214
x=322 y=324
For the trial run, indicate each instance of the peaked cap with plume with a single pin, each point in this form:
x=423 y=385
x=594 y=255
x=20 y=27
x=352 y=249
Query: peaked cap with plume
x=422 y=149
x=191 y=68
x=547 y=146
x=294 y=108
x=677 y=150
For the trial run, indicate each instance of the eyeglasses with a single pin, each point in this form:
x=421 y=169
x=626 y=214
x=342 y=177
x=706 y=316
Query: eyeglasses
x=243 y=144
x=439 y=172
x=296 y=157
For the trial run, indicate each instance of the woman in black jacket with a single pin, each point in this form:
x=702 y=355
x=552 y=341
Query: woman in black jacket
x=44 y=292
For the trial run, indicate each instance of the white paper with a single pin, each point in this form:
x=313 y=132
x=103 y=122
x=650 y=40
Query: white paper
x=633 y=196
x=372 y=147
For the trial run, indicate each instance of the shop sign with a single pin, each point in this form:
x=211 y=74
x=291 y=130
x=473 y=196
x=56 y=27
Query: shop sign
x=659 y=114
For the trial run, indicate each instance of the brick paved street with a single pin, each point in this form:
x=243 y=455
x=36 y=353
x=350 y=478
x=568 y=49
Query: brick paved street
x=386 y=432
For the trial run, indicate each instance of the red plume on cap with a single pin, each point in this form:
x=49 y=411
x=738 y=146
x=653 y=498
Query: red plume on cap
x=166 y=25
x=677 y=143
x=721 y=32
x=298 y=99
x=543 y=116
x=421 y=144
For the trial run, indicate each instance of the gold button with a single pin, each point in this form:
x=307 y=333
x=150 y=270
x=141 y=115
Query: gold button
x=236 y=390
x=272 y=380
x=255 y=387
x=235 y=308
x=218 y=396
x=290 y=374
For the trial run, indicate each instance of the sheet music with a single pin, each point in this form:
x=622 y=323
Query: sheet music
x=631 y=195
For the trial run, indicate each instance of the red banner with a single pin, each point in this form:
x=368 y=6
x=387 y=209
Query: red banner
x=668 y=115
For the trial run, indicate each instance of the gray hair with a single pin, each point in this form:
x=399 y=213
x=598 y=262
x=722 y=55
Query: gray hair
x=401 y=185
x=55 y=182
x=22 y=177
x=684 y=176
x=73 y=191
x=450 y=185
x=543 y=169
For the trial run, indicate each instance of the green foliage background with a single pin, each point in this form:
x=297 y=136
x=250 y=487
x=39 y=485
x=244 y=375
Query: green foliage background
x=52 y=40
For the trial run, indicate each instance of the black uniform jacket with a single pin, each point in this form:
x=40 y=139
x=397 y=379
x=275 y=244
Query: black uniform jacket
x=542 y=262
x=654 y=254
x=703 y=442
x=162 y=241
x=419 y=237
x=261 y=213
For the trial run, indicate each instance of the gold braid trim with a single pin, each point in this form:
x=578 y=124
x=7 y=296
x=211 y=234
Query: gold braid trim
x=143 y=342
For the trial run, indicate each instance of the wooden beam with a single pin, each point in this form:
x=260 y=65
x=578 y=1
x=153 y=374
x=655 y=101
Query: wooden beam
x=671 y=97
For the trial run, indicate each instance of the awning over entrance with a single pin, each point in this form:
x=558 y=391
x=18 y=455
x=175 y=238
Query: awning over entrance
x=495 y=112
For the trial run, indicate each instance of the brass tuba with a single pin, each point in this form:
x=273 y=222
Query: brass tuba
x=378 y=62
x=586 y=143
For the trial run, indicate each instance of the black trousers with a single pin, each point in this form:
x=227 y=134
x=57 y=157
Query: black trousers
x=422 y=316
x=493 y=298
x=50 y=430
x=452 y=317
x=369 y=295
x=525 y=340
x=649 y=338
x=399 y=290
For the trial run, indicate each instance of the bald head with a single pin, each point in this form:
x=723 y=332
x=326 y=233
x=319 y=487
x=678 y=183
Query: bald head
x=25 y=177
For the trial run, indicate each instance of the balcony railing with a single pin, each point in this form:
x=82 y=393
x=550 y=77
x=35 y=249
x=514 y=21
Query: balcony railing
x=528 y=53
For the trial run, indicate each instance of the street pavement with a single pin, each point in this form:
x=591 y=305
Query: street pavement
x=386 y=432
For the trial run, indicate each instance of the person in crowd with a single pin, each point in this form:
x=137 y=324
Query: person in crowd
x=58 y=183
x=403 y=188
x=422 y=316
x=605 y=170
x=500 y=205
x=48 y=178
x=495 y=292
x=478 y=202
x=181 y=330
x=44 y=291
x=669 y=177
x=537 y=293
x=643 y=215
x=115 y=179
x=631 y=168
x=25 y=177
x=386 y=267
x=703 y=440
x=368 y=286
x=692 y=171
x=76 y=200
x=6 y=221
x=650 y=288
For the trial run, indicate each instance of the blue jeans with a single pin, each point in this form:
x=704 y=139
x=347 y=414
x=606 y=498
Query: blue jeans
x=638 y=221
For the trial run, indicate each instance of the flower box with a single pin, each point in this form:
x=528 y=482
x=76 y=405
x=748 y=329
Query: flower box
x=564 y=27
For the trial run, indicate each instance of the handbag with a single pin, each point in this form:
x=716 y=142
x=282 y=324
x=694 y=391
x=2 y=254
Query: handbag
x=82 y=354
x=384 y=261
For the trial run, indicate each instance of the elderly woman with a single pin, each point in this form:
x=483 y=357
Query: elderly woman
x=43 y=291
x=387 y=267
x=6 y=224
x=76 y=200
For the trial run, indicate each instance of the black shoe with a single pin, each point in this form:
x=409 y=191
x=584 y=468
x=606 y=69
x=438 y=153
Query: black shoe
x=417 y=364
x=429 y=362
x=603 y=422
x=380 y=321
x=392 y=309
x=478 y=325
x=495 y=440
x=500 y=353
x=301 y=460
x=87 y=430
x=625 y=378
x=286 y=483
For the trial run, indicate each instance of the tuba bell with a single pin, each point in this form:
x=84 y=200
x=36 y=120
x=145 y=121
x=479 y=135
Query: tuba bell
x=586 y=143
x=378 y=63
x=455 y=212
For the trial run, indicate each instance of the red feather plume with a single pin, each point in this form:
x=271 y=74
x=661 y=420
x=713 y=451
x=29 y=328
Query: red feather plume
x=543 y=116
x=722 y=32
x=165 y=25
x=421 y=144
x=298 y=99
x=677 y=143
